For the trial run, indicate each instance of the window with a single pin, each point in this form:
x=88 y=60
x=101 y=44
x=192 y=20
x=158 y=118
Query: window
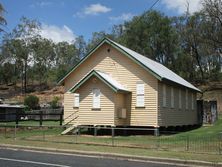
x=192 y=101
x=180 y=99
x=140 y=95
x=164 y=95
x=186 y=99
x=172 y=97
x=96 y=98
x=76 y=100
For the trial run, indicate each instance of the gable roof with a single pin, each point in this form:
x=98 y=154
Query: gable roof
x=107 y=79
x=156 y=69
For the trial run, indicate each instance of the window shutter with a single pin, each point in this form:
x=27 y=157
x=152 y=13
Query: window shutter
x=192 y=101
x=96 y=98
x=186 y=99
x=140 y=95
x=164 y=95
x=172 y=97
x=140 y=89
x=180 y=100
x=140 y=101
x=76 y=100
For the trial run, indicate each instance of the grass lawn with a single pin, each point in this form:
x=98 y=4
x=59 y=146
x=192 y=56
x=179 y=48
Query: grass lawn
x=205 y=130
x=214 y=158
x=203 y=143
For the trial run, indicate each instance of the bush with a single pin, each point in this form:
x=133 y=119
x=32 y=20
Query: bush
x=55 y=102
x=32 y=102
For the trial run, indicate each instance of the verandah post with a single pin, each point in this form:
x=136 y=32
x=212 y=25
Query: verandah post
x=95 y=131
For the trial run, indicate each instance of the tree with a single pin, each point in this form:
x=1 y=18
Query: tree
x=18 y=44
x=152 y=35
x=32 y=102
x=2 y=19
x=212 y=12
x=96 y=38
x=67 y=55
x=43 y=58
x=80 y=45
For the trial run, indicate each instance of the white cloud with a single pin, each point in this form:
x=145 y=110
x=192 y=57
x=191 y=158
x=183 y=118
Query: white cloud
x=93 y=9
x=41 y=4
x=181 y=5
x=57 y=34
x=122 y=17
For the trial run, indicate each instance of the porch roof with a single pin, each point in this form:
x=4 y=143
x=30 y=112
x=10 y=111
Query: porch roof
x=104 y=77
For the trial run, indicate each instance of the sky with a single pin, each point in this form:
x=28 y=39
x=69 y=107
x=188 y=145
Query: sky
x=64 y=20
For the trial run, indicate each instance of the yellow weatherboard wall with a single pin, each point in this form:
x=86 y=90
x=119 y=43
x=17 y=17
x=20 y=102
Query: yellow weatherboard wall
x=126 y=72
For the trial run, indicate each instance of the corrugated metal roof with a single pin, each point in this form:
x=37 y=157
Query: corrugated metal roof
x=157 y=68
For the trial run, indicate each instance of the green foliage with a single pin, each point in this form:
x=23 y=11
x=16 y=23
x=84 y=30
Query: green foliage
x=32 y=102
x=55 y=102
x=2 y=19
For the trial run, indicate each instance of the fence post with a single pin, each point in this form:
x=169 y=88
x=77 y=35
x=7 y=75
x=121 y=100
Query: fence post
x=16 y=118
x=5 y=131
x=43 y=133
x=40 y=117
x=113 y=134
x=60 y=118
x=76 y=134
x=157 y=142
x=15 y=132
x=187 y=143
x=220 y=143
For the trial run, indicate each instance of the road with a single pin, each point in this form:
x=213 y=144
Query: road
x=25 y=158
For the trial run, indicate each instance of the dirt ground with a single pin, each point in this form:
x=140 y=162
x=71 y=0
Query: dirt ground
x=12 y=95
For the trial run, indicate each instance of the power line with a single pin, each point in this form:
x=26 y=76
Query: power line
x=154 y=4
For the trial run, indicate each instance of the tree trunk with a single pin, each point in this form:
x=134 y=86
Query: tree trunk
x=198 y=62
x=22 y=88
x=25 y=77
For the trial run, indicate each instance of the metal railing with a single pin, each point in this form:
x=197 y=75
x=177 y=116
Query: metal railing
x=141 y=138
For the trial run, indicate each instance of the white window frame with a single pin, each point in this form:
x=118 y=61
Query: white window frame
x=140 y=95
x=180 y=99
x=186 y=100
x=76 y=100
x=172 y=97
x=164 y=95
x=96 y=99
